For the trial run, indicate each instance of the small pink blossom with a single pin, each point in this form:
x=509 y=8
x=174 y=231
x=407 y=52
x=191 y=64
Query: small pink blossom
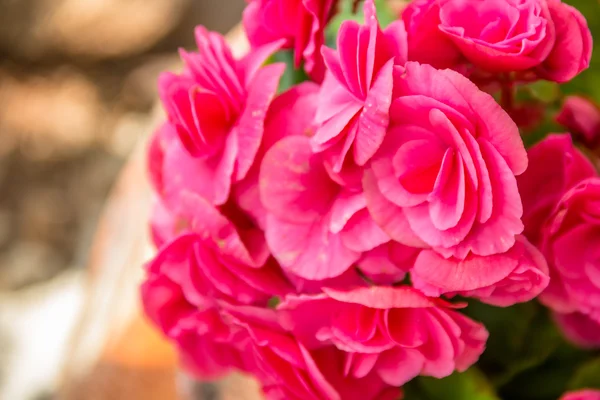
x=426 y=42
x=353 y=112
x=395 y=332
x=582 y=395
x=581 y=117
x=315 y=228
x=445 y=175
x=517 y=276
x=218 y=106
x=301 y=23
x=571 y=243
x=580 y=329
x=555 y=166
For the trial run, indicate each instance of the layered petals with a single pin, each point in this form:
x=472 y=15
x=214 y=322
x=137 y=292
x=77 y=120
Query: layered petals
x=447 y=168
x=571 y=244
x=315 y=228
x=395 y=332
x=353 y=112
x=288 y=369
x=218 y=106
x=300 y=23
x=517 y=276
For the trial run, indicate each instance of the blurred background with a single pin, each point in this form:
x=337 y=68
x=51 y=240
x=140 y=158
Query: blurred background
x=77 y=94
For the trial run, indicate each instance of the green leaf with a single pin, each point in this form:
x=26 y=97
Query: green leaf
x=471 y=385
x=291 y=75
x=587 y=376
x=549 y=380
x=521 y=337
x=545 y=91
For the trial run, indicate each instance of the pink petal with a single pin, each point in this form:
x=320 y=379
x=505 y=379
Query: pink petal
x=310 y=251
x=294 y=185
x=250 y=127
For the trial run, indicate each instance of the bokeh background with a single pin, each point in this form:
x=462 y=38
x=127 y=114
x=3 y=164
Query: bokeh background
x=77 y=91
x=77 y=98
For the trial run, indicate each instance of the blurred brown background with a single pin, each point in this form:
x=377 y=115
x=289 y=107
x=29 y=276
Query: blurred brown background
x=77 y=91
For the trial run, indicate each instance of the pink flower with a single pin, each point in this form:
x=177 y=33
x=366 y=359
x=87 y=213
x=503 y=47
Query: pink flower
x=218 y=106
x=426 y=42
x=315 y=228
x=581 y=117
x=571 y=243
x=188 y=318
x=582 y=395
x=555 y=166
x=517 y=276
x=225 y=261
x=579 y=329
x=353 y=111
x=544 y=36
x=301 y=23
x=445 y=175
x=395 y=332
x=290 y=370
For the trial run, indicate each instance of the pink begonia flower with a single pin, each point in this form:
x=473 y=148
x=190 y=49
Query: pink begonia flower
x=582 y=395
x=226 y=260
x=579 y=329
x=353 y=113
x=218 y=106
x=502 y=280
x=547 y=37
x=291 y=114
x=445 y=175
x=301 y=23
x=427 y=44
x=555 y=166
x=395 y=332
x=191 y=320
x=289 y=370
x=571 y=243
x=581 y=117
x=315 y=228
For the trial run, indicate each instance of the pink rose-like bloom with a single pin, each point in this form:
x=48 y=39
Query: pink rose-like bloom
x=218 y=106
x=315 y=228
x=395 y=332
x=290 y=370
x=426 y=42
x=579 y=329
x=571 y=243
x=502 y=280
x=555 y=166
x=581 y=117
x=226 y=261
x=547 y=37
x=445 y=175
x=189 y=318
x=301 y=23
x=582 y=395
x=353 y=112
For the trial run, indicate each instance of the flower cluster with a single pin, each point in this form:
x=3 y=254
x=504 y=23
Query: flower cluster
x=314 y=237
